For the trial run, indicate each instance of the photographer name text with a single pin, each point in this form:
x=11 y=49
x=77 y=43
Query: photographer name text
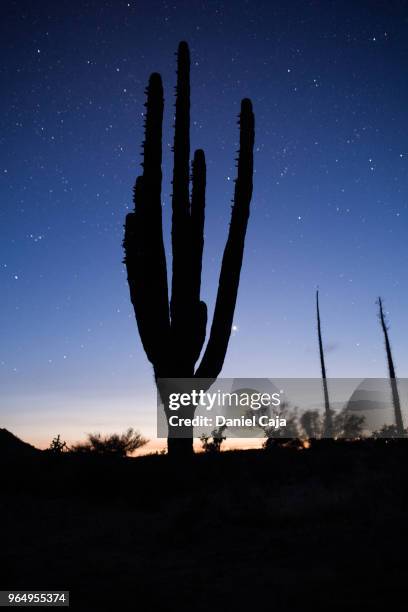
x=223 y=421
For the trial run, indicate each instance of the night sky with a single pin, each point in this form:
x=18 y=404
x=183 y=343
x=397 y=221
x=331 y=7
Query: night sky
x=328 y=81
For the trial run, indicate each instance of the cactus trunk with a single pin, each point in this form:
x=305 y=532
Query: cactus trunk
x=173 y=331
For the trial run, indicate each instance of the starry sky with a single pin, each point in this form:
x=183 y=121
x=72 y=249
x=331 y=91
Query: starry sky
x=330 y=94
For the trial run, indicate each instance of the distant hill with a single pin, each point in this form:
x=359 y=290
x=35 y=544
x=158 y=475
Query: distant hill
x=12 y=447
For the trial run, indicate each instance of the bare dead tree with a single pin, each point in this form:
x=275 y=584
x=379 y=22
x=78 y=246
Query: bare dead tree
x=391 y=369
x=328 y=424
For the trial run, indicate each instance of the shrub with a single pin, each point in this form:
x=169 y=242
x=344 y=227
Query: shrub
x=387 y=431
x=119 y=445
x=57 y=446
x=212 y=444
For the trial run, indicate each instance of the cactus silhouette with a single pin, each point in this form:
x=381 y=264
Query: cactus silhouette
x=391 y=369
x=173 y=332
x=328 y=425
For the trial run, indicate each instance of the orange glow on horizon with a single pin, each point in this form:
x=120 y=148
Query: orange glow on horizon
x=156 y=445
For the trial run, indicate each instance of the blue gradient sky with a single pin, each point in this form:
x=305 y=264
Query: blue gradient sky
x=330 y=94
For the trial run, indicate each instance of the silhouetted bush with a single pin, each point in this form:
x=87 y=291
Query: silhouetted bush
x=311 y=423
x=212 y=444
x=345 y=424
x=113 y=444
x=387 y=431
x=348 y=425
x=57 y=446
x=287 y=436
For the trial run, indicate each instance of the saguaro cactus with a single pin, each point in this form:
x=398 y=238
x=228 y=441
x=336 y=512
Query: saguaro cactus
x=173 y=332
x=391 y=369
x=328 y=424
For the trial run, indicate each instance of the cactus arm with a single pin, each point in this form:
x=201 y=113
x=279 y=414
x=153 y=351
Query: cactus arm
x=180 y=306
x=181 y=169
x=144 y=249
x=214 y=355
x=197 y=220
x=197 y=246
